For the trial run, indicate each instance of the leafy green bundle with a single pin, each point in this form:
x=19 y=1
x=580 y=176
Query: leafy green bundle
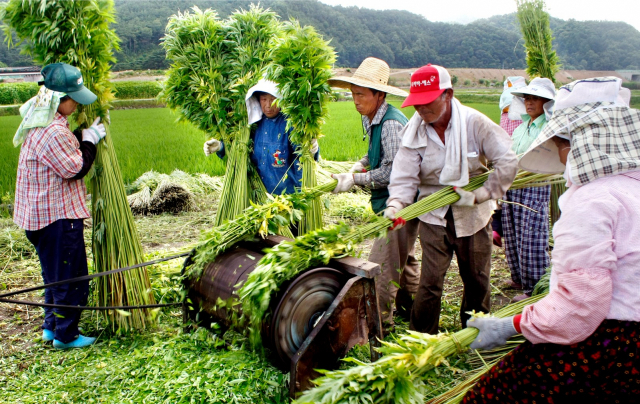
x=396 y=377
x=542 y=60
x=78 y=33
x=301 y=65
x=214 y=63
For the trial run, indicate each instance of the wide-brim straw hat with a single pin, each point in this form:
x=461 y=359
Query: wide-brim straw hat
x=373 y=73
x=604 y=132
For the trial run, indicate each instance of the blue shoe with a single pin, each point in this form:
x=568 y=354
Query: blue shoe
x=79 y=342
x=47 y=335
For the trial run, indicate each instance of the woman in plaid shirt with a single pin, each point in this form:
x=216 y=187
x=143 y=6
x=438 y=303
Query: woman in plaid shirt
x=50 y=194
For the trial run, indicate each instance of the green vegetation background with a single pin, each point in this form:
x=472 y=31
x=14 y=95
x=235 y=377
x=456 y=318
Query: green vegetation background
x=151 y=139
x=403 y=39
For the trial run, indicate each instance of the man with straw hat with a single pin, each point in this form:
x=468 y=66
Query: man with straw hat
x=583 y=338
x=446 y=143
x=382 y=122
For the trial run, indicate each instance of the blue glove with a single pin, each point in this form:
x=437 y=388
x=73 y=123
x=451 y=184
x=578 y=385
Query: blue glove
x=493 y=331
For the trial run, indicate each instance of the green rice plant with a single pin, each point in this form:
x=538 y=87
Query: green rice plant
x=289 y=258
x=397 y=376
x=301 y=65
x=213 y=65
x=542 y=60
x=78 y=33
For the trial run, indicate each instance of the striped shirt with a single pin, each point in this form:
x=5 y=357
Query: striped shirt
x=45 y=191
x=390 y=142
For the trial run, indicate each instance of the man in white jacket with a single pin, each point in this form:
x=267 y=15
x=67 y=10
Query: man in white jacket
x=446 y=143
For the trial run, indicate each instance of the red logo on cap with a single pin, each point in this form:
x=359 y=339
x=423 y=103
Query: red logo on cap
x=425 y=79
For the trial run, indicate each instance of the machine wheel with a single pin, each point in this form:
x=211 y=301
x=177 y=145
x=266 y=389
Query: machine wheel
x=300 y=308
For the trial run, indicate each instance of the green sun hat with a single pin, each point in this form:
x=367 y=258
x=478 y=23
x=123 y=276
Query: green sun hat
x=67 y=79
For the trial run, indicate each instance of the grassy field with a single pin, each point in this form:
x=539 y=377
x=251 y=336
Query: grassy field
x=150 y=139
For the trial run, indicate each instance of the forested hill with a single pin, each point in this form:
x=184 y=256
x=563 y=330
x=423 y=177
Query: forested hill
x=401 y=38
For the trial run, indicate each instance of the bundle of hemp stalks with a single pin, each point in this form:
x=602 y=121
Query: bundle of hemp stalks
x=542 y=60
x=286 y=260
x=301 y=65
x=213 y=65
x=82 y=38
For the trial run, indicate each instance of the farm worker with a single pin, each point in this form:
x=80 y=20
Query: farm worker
x=525 y=219
x=50 y=194
x=383 y=122
x=446 y=143
x=510 y=84
x=583 y=338
x=273 y=154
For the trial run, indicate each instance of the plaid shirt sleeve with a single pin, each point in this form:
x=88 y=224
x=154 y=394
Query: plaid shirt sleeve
x=61 y=153
x=391 y=141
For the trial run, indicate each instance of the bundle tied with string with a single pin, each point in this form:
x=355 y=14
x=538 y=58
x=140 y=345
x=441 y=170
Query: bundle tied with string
x=301 y=65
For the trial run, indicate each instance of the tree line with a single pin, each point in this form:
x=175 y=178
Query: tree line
x=401 y=38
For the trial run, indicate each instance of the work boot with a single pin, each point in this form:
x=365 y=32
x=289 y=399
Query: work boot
x=514 y=285
x=79 y=342
x=47 y=335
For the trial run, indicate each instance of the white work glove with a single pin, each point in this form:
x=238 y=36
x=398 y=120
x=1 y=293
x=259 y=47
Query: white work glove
x=211 y=146
x=466 y=198
x=345 y=182
x=358 y=168
x=314 y=146
x=493 y=331
x=94 y=133
x=390 y=213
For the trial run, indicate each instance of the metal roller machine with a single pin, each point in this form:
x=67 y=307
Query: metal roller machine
x=313 y=321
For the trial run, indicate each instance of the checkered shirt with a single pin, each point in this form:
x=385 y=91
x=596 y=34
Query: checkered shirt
x=390 y=141
x=507 y=124
x=605 y=139
x=45 y=192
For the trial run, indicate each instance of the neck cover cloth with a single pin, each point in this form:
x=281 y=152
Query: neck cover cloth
x=603 y=130
x=38 y=112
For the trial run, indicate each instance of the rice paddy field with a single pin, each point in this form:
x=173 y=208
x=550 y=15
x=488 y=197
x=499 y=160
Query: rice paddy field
x=151 y=139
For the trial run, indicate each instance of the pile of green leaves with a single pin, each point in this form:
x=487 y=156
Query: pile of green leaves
x=542 y=60
x=79 y=33
x=397 y=376
x=213 y=65
x=159 y=366
x=301 y=66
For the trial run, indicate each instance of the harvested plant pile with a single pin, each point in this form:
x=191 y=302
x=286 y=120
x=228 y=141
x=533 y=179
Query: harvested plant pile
x=301 y=66
x=156 y=193
x=213 y=65
x=78 y=33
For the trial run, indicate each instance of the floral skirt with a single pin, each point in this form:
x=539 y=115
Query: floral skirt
x=604 y=368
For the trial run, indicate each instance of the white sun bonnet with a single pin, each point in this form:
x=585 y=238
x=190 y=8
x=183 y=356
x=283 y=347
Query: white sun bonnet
x=254 y=111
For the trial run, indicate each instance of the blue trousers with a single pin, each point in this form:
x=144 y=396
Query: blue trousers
x=60 y=247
